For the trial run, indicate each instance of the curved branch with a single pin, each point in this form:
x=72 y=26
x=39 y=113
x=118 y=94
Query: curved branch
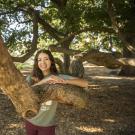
x=101 y=59
x=47 y=27
x=66 y=94
x=13 y=85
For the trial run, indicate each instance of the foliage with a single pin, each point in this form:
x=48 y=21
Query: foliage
x=23 y=66
x=92 y=15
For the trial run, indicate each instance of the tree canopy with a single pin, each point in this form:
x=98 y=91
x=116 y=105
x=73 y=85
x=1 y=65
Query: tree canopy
x=70 y=27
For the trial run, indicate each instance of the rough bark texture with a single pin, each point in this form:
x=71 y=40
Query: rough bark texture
x=66 y=94
x=76 y=68
x=101 y=59
x=13 y=85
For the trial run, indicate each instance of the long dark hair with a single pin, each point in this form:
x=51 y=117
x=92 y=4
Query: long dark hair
x=37 y=73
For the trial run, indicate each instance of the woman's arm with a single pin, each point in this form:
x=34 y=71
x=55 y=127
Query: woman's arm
x=56 y=79
x=43 y=81
x=78 y=82
x=50 y=80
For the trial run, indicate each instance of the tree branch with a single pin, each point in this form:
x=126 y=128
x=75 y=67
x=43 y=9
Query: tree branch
x=13 y=85
x=31 y=51
x=112 y=16
x=47 y=27
x=62 y=93
x=54 y=48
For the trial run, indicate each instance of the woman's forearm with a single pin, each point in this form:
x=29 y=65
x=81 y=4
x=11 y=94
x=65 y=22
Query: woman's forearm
x=77 y=82
x=43 y=81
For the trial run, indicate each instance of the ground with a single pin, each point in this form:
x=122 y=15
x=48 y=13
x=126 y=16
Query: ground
x=111 y=108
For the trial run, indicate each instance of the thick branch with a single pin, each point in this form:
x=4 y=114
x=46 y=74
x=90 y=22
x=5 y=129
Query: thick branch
x=109 y=60
x=67 y=94
x=101 y=59
x=127 y=61
x=54 y=48
x=47 y=27
x=13 y=85
x=95 y=57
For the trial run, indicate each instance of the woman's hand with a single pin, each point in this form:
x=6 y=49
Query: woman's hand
x=51 y=80
x=55 y=79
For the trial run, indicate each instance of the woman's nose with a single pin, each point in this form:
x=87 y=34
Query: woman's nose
x=43 y=62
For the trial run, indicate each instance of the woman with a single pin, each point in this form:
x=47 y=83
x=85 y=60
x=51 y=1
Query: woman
x=45 y=71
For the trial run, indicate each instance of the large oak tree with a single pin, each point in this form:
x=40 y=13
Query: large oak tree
x=75 y=28
x=69 y=23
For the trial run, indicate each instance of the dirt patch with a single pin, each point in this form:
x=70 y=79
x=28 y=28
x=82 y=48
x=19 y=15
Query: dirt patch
x=111 y=108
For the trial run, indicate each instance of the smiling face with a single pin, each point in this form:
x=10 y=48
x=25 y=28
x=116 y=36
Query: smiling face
x=44 y=63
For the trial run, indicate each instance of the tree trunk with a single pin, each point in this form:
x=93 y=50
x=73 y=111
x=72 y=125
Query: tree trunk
x=66 y=58
x=66 y=63
x=76 y=68
x=13 y=85
x=60 y=65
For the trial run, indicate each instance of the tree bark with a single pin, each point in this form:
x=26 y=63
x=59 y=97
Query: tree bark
x=66 y=94
x=101 y=59
x=66 y=57
x=13 y=85
x=66 y=63
x=60 y=65
x=76 y=68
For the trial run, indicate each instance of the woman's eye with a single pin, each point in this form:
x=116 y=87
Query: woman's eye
x=46 y=59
